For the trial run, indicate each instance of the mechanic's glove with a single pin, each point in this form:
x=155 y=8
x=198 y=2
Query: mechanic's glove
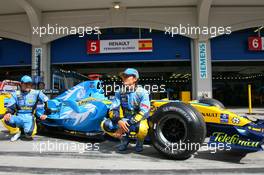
x=137 y=118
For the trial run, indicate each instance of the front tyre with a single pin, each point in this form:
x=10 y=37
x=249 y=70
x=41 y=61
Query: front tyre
x=177 y=130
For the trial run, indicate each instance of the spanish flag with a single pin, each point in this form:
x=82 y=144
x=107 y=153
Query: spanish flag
x=145 y=45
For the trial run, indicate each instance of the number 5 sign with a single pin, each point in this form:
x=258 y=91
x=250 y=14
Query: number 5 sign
x=256 y=43
x=93 y=46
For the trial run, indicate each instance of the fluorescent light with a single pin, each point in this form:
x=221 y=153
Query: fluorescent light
x=1 y=38
x=150 y=30
x=116 y=5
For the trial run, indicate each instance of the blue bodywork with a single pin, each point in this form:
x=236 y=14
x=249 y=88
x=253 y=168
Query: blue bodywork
x=81 y=108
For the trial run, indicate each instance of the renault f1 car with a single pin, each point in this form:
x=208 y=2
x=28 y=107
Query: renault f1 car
x=6 y=88
x=176 y=129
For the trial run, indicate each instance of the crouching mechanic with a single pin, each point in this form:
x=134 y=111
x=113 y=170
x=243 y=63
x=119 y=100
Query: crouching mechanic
x=129 y=112
x=20 y=113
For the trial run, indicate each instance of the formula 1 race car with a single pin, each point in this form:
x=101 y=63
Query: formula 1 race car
x=6 y=88
x=176 y=129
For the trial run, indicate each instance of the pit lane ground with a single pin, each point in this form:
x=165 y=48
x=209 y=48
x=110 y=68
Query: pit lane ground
x=67 y=155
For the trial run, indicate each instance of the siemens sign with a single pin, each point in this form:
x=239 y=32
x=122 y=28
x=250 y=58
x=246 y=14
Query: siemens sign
x=202 y=60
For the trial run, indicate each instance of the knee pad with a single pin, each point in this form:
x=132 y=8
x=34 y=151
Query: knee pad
x=107 y=125
x=133 y=130
x=143 y=129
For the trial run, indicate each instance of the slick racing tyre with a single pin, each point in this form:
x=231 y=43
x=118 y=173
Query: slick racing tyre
x=177 y=130
x=212 y=102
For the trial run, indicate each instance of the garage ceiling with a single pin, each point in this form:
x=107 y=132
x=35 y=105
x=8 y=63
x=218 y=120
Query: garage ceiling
x=238 y=2
x=11 y=7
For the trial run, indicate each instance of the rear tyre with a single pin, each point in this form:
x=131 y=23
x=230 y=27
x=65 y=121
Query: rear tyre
x=212 y=102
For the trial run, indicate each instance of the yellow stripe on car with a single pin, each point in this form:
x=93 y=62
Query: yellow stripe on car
x=3 y=96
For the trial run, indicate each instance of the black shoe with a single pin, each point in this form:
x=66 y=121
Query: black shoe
x=123 y=145
x=139 y=146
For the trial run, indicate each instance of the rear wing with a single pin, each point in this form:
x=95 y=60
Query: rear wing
x=9 y=85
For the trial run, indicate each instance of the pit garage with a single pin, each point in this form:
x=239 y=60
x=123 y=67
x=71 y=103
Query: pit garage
x=15 y=58
x=234 y=65
x=167 y=63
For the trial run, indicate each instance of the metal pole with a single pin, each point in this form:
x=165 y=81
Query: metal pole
x=249 y=100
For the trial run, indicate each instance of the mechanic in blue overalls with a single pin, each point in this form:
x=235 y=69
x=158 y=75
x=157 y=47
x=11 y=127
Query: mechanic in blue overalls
x=20 y=113
x=129 y=112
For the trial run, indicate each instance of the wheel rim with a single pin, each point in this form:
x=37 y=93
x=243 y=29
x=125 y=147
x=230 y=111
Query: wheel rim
x=172 y=129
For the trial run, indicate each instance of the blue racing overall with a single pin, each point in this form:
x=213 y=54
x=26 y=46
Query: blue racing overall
x=23 y=105
x=135 y=107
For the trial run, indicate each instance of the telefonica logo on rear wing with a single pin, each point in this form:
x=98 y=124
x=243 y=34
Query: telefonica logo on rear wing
x=119 y=46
